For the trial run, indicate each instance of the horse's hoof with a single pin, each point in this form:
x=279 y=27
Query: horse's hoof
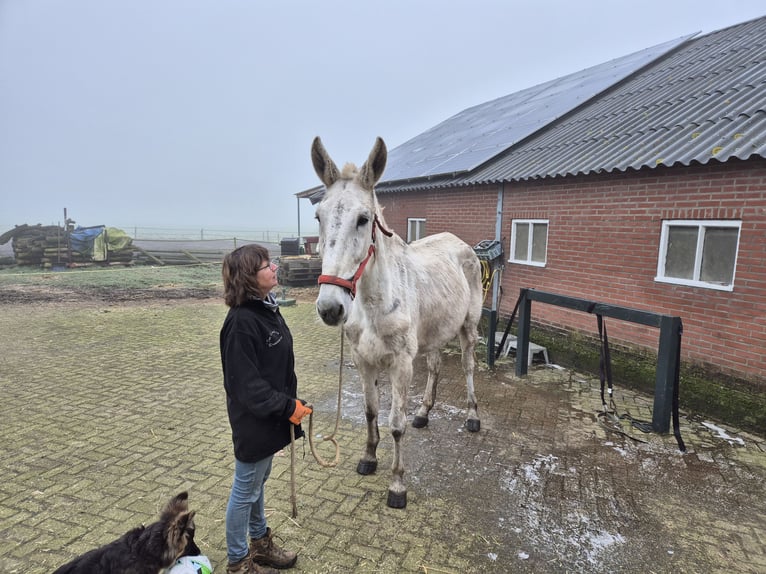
x=420 y=422
x=366 y=467
x=397 y=499
x=473 y=425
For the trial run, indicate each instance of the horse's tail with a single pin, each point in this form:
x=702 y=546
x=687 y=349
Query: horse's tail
x=474 y=275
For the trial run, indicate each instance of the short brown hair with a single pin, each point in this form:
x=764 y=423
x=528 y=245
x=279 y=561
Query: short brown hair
x=239 y=270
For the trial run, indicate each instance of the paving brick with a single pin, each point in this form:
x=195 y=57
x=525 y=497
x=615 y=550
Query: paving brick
x=109 y=410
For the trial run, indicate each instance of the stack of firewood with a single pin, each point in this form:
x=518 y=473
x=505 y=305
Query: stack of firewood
x=48 y=246
x=37 y=244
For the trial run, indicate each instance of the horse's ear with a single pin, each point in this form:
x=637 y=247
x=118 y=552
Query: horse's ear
x=324 y=166
x=374 y=166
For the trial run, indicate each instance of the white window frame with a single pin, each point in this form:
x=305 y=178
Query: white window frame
x=528 y=260
x=701 y=225
x=421 y=224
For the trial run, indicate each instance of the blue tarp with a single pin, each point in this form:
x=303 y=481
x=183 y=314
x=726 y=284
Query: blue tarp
x=82 y=239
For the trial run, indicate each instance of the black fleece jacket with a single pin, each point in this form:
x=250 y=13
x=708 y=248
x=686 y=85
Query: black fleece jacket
x=259 y=378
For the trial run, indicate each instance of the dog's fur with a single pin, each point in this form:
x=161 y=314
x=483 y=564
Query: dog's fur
x=146 y=549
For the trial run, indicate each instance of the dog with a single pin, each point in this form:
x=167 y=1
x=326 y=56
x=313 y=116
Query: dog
x=146 y=549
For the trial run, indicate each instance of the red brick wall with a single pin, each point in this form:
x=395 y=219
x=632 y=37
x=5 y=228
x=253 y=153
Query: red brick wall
x=469 y=213
x=603 y=245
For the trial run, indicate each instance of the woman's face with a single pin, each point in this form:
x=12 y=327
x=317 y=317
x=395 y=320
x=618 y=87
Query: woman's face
x=266 y=277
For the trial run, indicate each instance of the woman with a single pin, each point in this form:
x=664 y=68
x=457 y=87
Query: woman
x=261 y=389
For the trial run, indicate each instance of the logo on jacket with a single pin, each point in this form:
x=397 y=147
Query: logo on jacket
x=274 y=338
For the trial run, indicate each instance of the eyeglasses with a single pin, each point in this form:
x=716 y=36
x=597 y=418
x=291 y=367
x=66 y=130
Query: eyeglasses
x=272 y=266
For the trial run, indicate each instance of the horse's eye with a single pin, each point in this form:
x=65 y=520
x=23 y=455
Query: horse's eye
x=363 y=219
x=317 y=218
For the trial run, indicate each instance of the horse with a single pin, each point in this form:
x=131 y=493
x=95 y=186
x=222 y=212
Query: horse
x=394 y=300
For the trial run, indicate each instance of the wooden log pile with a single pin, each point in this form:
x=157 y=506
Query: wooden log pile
x=36 y=244
x=48 y=246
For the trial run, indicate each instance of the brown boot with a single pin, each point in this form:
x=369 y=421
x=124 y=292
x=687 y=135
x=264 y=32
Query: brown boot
x=247 y=566
x=264 y=551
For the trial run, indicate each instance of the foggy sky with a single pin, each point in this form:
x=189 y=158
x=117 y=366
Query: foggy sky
x=200 y=113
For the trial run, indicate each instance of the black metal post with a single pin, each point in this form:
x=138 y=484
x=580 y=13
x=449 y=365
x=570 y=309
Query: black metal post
x=667 y=371
x=491 y=343
x=668 y=350
x=522 y=340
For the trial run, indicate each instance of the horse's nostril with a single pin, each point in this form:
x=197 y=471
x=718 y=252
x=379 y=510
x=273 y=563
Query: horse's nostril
x=331 y=315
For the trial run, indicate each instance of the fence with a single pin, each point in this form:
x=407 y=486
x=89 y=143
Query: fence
x=206 y=234
x=185 y=245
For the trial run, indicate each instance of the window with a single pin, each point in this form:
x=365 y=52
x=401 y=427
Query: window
x=416 y=229
x=702 y=253
x=529 y=241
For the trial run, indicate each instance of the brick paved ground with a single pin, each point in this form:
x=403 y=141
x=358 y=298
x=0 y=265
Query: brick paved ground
x=109 y=410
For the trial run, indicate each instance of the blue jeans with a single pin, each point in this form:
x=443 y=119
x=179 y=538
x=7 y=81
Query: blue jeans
x=245 y=511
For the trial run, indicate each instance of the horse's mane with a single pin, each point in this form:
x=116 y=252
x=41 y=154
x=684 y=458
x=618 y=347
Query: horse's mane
x=349 y=171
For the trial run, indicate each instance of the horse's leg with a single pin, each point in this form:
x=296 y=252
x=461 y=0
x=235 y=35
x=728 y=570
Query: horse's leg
x=369 y=461
x=434 y=361
x=468 y=339
x=401 y=376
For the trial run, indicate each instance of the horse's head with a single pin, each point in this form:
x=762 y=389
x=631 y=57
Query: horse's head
x=347 y=216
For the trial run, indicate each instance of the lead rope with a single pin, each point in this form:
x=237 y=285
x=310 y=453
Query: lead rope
x=293 y=498
x=330 y=438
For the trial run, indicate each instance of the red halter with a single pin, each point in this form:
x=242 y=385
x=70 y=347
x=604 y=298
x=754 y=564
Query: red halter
x=350 y=284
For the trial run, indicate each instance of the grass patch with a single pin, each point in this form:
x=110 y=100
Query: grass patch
x=196 y=277
x=111 y=284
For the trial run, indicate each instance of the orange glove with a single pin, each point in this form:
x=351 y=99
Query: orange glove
x=300 y=411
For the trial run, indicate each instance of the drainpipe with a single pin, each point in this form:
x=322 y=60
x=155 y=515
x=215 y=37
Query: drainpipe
x=498 y=237
x=497 y=266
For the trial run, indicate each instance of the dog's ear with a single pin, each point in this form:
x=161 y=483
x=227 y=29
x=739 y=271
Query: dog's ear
x=186 y=521
x=182 y=498
x=191 y=548
x=175 y=506
x=179 y=536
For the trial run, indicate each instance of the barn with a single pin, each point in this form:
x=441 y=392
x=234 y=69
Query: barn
x=639 y=182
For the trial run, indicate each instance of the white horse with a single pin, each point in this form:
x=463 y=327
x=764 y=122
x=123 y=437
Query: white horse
x=394 y=300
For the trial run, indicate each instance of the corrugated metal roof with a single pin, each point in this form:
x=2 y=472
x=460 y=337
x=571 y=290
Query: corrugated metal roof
x=703 y=101
x=706 y=101
x=477 y=134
